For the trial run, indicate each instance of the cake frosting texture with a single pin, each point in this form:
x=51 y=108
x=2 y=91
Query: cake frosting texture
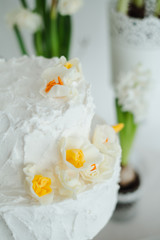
x=30 y=125
x=46 y=110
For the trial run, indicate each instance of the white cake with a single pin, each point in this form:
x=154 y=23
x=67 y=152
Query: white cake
x=56 y=183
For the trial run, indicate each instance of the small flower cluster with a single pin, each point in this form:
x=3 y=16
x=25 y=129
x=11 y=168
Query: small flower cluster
x=61 y=79
x=132 y=91
x=81 y=162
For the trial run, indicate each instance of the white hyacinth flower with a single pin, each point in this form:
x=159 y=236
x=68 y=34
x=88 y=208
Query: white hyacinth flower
x=69 y=7
x=25 y=18
x=132 y=91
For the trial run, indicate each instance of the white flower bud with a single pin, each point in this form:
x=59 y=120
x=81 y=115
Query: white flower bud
x=69 y=7
x=24 y=18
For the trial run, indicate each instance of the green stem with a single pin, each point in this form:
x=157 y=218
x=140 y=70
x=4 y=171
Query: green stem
x=138 y=3
x=38 y=43
x=54 y=30
x=65 y=31
x=24 y=4
x=157 y=9
x=123 y=6
x=20 y=40
x=46 y=31
x=47 y=35
x=38 y=36
x=127 y=135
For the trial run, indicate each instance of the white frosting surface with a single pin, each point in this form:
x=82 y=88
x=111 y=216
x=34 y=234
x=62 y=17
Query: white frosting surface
x=30 y=129
x=79 y=219
x=31 y=125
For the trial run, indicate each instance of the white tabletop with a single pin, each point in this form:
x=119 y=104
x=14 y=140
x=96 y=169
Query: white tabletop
x=90 y=43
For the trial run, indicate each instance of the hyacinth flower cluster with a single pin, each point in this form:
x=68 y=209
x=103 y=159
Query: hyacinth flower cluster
x=50 y=24
x=132 y=90
x=136 y=8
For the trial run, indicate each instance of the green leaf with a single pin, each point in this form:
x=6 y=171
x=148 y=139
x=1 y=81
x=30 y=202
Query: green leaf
x=20 y=40
x=157 y=9
x=127 y=135
x=23 y=3
x=54 y=32
x=64 y=34
x=123 y=6
x=38 y=43
x=38 y=37
x=139 y=3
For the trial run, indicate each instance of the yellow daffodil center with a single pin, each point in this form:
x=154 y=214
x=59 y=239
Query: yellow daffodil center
x=68 y=65
x=41 y=185
x=75 y=157
x=117 y=128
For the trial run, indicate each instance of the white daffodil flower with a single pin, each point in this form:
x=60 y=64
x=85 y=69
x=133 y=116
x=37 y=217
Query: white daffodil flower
x=132 y=91
x=106 y=140
x=99 y=172
x=69 y=182
x=73 y=69
x=40 y=184
x=61 y=80
x=69 y=7
x=24 y=18
x=78 y=153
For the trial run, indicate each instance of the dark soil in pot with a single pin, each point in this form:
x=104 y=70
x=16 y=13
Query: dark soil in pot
x=128 y=195
x=136 y=12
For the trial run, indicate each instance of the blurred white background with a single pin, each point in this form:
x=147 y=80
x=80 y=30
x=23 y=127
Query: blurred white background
x=91 y=44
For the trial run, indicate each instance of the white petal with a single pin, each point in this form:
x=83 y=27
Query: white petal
x=59 y=91
x=70 y=183
x=52 y=73
x=69 y=7
x=91 y=176
x=103 y=132
x=92 y=155
x=30 y=170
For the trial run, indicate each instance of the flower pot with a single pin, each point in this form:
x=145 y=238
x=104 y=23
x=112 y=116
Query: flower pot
x=135 y=41
x=129 y=195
